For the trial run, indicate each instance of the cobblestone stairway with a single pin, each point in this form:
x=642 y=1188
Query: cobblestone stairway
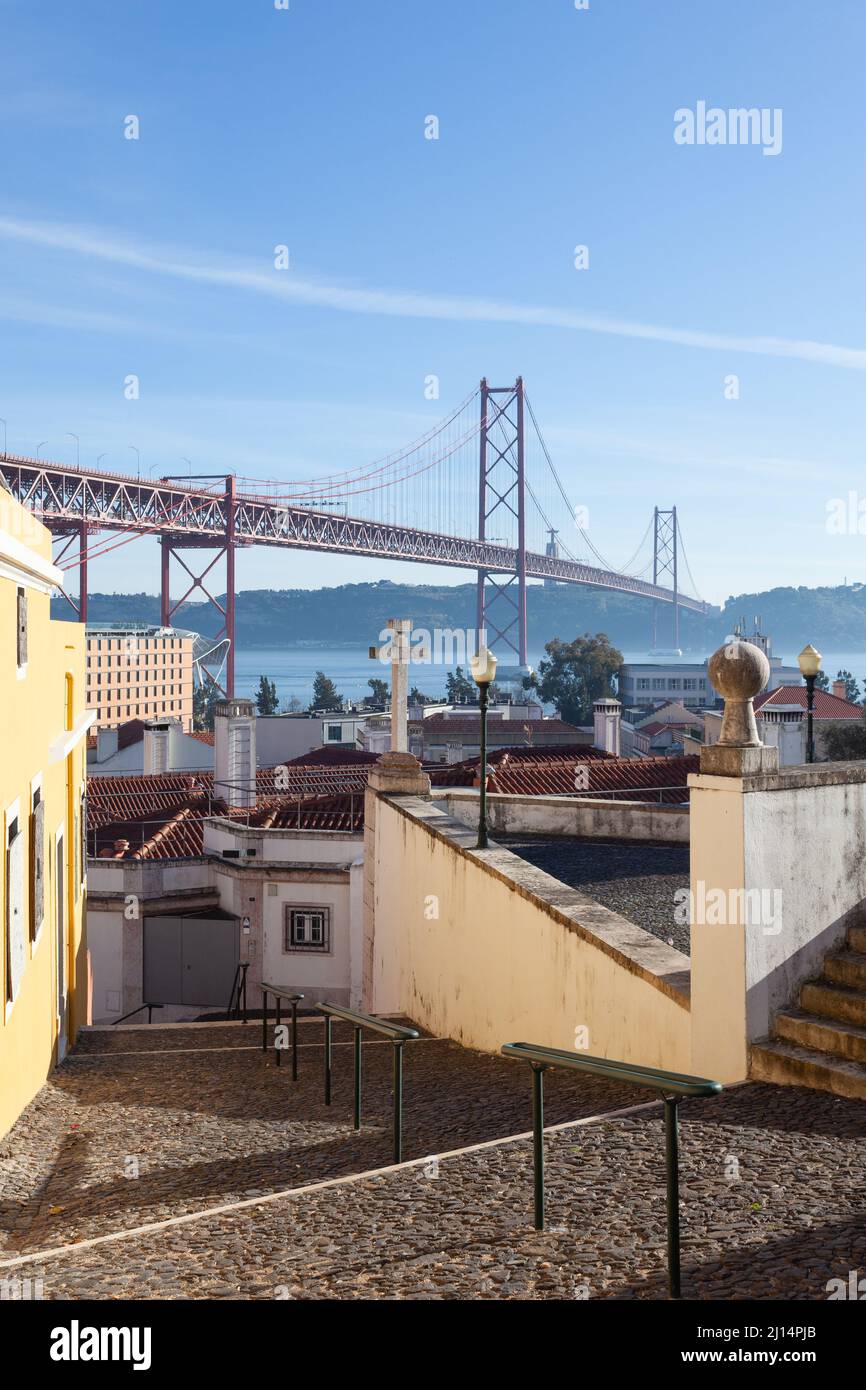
x=822 y=1043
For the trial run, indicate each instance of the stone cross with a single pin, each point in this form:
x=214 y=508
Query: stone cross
x=398 y=649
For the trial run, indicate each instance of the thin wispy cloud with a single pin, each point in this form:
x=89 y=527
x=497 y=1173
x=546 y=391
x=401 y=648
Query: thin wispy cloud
x=285 y=287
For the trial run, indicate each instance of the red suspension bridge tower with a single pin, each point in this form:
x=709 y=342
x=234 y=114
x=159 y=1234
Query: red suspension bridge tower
x=501 y=602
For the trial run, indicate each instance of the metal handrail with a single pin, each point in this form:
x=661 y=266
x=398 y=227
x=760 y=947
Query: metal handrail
x=399 y=1037
x=239 y=991
x=294 y=999
x=150 y=1008
x=673 y=1085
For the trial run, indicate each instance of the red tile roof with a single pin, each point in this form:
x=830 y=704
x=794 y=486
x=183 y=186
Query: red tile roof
x=162 y=817
x=465 y=773
x=333 y=757
x=626 y=779
x=827 y=706
x=657 y=727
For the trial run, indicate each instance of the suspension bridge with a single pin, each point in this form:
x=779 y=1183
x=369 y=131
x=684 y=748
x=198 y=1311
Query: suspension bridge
x=479 y=491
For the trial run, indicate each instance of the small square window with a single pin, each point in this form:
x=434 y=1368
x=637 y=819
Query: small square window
x=307 y=929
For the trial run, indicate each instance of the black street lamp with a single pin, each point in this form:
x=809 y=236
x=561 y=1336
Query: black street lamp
x=809 y=662
x=483 y=667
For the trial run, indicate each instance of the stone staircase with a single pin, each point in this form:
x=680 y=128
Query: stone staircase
x=822 y=1043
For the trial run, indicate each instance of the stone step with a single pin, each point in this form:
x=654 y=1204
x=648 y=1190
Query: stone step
x=823 y=1034
x=857 y=939
x=834 y=1001
x=785 y=1064
x=846 y=968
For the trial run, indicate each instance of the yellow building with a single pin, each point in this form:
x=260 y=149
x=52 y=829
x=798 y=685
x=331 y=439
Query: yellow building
x=44 y=975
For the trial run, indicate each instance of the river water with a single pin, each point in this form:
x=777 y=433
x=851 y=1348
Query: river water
x=293 y=669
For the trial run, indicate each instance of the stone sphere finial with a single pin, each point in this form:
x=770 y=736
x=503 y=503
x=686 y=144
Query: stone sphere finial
x=739 y=671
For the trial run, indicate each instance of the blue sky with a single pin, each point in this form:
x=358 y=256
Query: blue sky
x=454 y=257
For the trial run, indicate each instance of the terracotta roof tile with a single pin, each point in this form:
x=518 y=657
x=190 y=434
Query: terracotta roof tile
x=827 y=706
x=626 y=779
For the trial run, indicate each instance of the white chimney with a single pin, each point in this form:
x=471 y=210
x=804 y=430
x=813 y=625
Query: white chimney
x=235 y=752
x=156 y=757
x=106 y=744
x=606 y=720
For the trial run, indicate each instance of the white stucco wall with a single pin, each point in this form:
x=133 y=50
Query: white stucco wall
x=512 y=954
x=105 y=944
x=793 y=844
x=808 y=842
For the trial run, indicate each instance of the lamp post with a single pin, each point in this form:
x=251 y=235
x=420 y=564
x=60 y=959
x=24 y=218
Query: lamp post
x=77 y=448
x=40 y=445
x=3 y=423
x=809 y=662
x=137 y=453
x=483 y=667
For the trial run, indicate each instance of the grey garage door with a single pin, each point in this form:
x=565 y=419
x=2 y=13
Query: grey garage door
x=190 y=960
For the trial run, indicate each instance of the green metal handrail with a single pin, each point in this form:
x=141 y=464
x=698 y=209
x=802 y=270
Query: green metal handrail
x=398 y=1035
x=294 y=999
x=674 y=1085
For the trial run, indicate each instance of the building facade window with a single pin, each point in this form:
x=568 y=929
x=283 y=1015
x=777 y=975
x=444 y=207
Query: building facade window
x=307 y=929
x=21 y=632
x=14 y=907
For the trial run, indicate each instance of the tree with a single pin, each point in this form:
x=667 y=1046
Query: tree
x=460 y=688
x=576 y=674
x=417 y=697
x=325 y=693
x=266 y=697
x=380 y=695
x=852 y=689
x=822 y=681
x=846 y=741
x=204 y=698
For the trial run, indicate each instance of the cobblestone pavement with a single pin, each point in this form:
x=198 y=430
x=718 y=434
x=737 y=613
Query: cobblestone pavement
x=771 y=1198
x=214 y=1121
x=636 y=880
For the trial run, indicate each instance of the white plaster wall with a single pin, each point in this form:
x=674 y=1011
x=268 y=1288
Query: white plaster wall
x=275 y=846
x=810 y=844
x=279 y=738
x=356 y=933
x=315 y=974
x=589 y=818
x=494 y=966
x=105 y=944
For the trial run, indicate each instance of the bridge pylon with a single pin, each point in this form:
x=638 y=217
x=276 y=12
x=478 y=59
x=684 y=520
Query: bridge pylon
x=665 y=565
x=224 y=547
x=501 y=602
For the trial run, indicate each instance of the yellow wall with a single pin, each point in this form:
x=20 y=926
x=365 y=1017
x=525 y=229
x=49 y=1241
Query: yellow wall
x=476 y=955
x=34 y=713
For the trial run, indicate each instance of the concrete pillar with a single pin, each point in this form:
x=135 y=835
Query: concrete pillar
x=719 y=977
x=395 y=774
